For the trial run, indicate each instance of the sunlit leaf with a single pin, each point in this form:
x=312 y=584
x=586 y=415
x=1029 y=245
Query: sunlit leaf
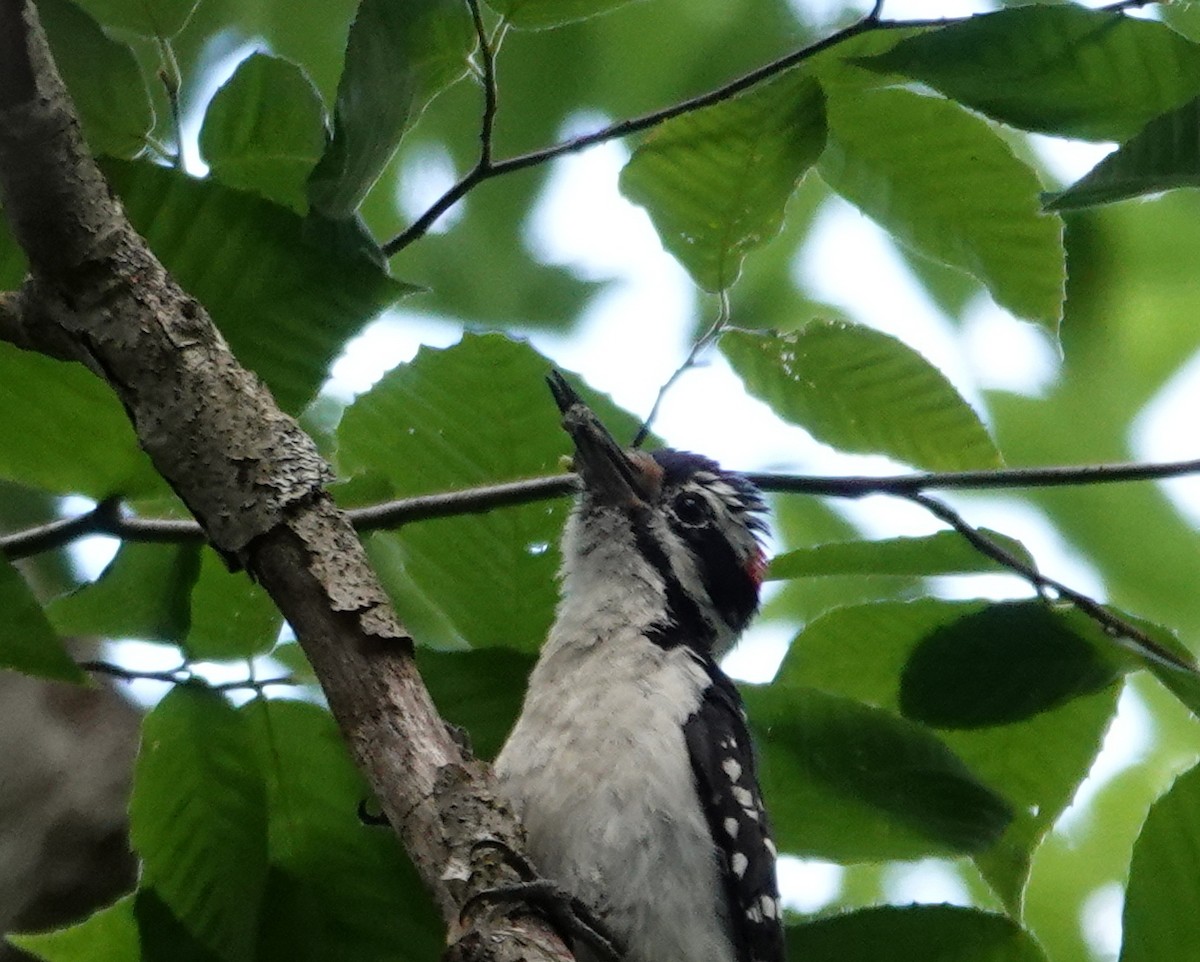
x=76 y=439
x=863 y=391
x=265 y=129
x=292 y=657
x=198 y=819
x=715 y=181
x=944 y=183
x=1036 y=764
x=150 y=18
x=1065 y=70
x=230 y=615
x=27 y=642
x=913 y=933
x=479 y=691
x=400 y=54
x=110 y=934
x=1000 y=665
x=476 y=413
x=106 y=84
x=943 y=553
x=336 y=889
x=288 y=309
x=143 y=593
x=1162 y=901
x=849 y=782
x=1165 y=155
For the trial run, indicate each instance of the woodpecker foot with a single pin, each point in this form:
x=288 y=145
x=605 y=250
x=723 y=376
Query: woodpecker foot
x=570 y=915
x=370 y=818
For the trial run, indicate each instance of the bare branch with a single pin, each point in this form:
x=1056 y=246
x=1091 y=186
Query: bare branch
x=395 y=514
x=487 y=57
x=1003 y=478
x=171 y=676
x=1113 y=625
x=633 y=125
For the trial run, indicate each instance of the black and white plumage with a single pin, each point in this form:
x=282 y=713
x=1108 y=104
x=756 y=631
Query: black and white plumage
x=631 y=763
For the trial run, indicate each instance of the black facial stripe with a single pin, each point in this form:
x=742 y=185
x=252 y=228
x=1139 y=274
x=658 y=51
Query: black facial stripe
x=684 y=624
x=733 y=592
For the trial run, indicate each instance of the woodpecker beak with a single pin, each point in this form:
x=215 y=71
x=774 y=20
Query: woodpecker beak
x=611 y=475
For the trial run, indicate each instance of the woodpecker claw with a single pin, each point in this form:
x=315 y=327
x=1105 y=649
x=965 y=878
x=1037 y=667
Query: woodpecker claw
x=572 y=917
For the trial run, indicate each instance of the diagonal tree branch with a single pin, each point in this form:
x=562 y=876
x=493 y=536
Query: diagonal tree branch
x=1113 y=625
x=253 y=479
x=485 y=168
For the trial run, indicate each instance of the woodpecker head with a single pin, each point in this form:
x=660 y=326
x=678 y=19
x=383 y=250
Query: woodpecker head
x=689 y=527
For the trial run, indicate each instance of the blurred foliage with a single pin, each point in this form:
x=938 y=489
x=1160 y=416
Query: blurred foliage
x=900 y=726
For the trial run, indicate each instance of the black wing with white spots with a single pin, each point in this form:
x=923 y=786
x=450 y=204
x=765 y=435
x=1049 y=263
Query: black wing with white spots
x=722 y=757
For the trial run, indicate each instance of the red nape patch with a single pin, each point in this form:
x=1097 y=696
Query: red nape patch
x=756 y=567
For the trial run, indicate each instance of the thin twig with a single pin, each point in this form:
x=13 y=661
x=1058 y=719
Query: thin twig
x=107 y=520
x=1112 y=624
x=172 y=676
x=259 y=684
x=487 y=59
x=486 y=169
x=480 y=173
x=688 y=362
x=181 y=676
x=1046 y=477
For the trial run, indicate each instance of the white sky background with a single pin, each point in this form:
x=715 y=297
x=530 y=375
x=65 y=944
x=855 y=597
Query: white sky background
x=636 y=332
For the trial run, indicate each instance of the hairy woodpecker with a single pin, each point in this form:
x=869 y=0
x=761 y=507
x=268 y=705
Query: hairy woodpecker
x=631 y=764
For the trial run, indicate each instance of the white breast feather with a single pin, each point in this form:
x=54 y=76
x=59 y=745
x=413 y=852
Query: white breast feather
x=598 y=768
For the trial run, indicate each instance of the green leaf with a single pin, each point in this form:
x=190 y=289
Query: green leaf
x=336 y=889
x=400 y=55
x=1062 y=70
x=715 y=181
x=1162 y=900
x=913 y=933
x=27 y=642
x=230 y=615
x=76 y=439
x=475 y=413
x=106 y=84
x=150 y=18
x=143 y=593
x=292 y=657
x=163 y=937
x=286 y=305
x=943 y=182
x=110 y=934
x=479 y=691
x=1037 y=764
x=540 y=14
x=1003 y=664
x=849 y=782
x=264 y=130
x=1165 y=155
x=943 y=553
x=862 y=391
x=198 y=819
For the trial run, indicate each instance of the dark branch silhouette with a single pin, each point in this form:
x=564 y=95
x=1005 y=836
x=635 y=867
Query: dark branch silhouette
x=107 y=519
x=1113 y=625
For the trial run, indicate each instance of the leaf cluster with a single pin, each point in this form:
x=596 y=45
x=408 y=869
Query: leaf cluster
x=900 y=726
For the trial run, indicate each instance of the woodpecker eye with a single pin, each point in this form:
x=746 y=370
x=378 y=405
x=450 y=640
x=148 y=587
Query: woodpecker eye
x=691 y=508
